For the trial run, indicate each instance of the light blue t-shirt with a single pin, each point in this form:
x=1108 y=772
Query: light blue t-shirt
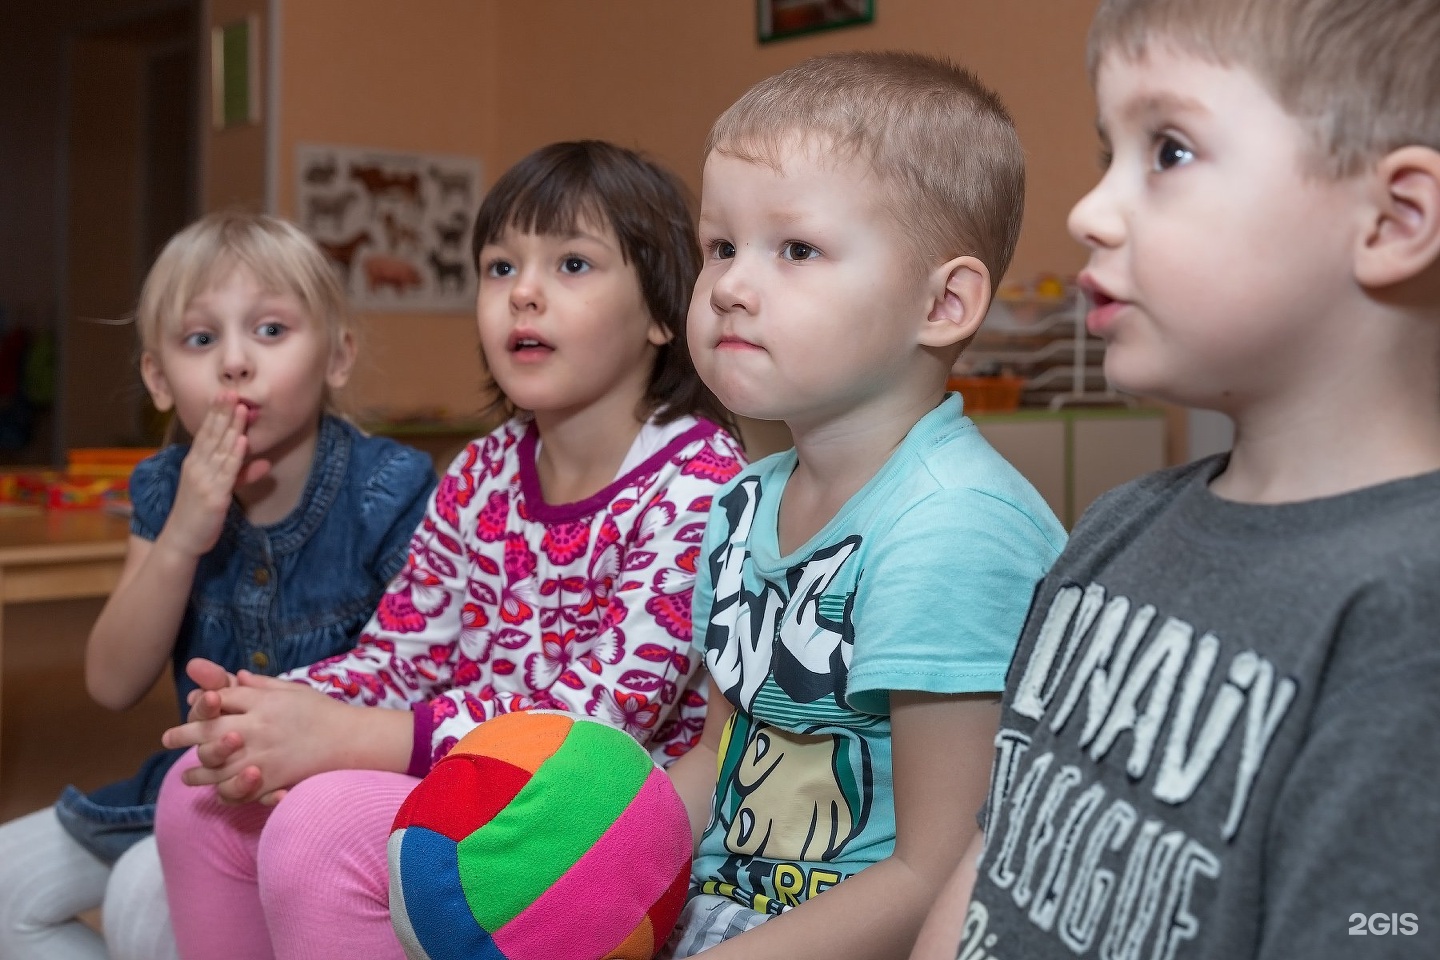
x=920 y=583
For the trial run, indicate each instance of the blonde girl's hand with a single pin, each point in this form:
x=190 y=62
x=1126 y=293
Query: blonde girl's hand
x=208 y=477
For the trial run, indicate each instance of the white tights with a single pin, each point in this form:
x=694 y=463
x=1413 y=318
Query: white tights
x=47 y=880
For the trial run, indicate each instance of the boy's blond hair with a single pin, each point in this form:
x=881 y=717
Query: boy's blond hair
x=1361 y=76
x=939 y=141
x=281 y=256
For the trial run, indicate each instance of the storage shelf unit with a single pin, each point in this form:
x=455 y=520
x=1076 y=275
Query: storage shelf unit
x=1042 y=339
x=1073 y=455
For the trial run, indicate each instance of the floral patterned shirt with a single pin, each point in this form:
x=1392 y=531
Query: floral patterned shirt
x=507 y=602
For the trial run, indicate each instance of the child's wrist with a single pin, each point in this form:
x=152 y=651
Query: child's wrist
x=375 y=738
x=175 y=547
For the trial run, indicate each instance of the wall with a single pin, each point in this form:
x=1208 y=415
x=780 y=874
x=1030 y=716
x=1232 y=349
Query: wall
x=654 y=74
x=233 y=160
x=408 y=77
x=497 y=78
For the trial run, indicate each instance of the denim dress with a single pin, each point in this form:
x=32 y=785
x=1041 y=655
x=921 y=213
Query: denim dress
x=269 y=599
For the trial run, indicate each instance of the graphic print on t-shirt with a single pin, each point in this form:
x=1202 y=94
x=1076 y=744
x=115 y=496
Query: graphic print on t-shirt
x=1125 y=764
x=797 y=632
x=796 y=782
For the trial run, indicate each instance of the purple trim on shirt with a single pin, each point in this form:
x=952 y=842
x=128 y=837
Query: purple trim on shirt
x=422 y=753
x=539 y=510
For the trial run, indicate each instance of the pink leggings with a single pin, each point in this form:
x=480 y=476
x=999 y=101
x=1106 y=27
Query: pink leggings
x=307 y=878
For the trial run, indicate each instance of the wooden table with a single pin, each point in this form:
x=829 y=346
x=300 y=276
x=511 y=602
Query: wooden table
x=58 y=555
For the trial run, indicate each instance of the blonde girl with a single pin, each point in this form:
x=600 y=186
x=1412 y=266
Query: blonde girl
x=263 y=544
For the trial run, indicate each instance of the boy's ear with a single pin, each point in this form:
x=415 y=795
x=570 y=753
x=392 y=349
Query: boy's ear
x=342 y=361
x=155 y=382
x=961 y=295
x=1402 y=239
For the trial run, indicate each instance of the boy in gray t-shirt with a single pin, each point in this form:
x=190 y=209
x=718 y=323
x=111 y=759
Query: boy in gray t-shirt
x=1221 y=730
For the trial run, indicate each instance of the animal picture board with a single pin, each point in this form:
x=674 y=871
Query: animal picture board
x=396 y=226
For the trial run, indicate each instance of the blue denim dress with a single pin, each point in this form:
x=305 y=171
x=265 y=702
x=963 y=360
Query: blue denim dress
x=270 y=599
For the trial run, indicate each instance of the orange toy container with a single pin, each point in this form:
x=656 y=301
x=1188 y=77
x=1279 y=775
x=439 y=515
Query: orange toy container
x=83 y=493
x=94 y=477
x=989 y=394
x=105 y=461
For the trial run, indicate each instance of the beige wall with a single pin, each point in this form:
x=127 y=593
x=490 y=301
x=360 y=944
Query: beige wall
x=497 y=78
x=405 y=76
x=232 y=161
x=656 y=73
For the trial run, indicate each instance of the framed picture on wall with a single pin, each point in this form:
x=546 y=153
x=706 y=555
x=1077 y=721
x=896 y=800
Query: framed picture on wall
x=779 y=19
x=395 y=225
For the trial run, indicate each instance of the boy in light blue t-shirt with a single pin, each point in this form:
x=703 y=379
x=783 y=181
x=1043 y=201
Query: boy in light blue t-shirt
x=857 y=597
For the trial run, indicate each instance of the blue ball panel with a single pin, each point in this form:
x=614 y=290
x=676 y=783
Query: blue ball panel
x=435 y=902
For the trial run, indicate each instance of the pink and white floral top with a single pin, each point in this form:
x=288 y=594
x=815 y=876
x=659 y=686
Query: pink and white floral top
x=508 y=602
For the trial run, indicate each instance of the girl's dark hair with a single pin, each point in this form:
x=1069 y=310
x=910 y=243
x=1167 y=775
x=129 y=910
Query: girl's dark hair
x=554 y=188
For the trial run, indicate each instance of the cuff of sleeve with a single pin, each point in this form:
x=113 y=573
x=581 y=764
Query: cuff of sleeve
x=421 y=750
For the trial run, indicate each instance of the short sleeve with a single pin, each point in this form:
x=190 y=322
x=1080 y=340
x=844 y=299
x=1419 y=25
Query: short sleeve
x=152 y=491
x=943 y=597
x=392 y=505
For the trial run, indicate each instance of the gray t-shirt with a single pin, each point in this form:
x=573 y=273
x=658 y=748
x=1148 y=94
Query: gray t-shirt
x=1221 y=734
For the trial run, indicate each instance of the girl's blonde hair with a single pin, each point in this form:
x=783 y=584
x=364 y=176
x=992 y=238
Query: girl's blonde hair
x=281 y=256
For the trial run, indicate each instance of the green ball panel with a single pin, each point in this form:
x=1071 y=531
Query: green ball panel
x=508 y=863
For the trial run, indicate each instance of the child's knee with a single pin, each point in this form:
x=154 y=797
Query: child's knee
x=337 y=823
x=193 y=824
x=135 y=914
x=312 y=839
x=310 y=819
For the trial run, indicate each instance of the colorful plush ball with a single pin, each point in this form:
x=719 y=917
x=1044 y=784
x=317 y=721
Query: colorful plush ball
x=540 y=836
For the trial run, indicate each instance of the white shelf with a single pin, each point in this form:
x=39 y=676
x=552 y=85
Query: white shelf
x=1044 y=340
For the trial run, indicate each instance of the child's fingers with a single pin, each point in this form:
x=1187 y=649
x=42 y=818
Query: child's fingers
x=206 y=706
x=194 y=732
x=185 y=735
x=208 y=675
x=211 y=425
x=207 y=777
x=217 y=420
x=259 y=681
x=243 y=787
x=273 y=797
x=216 y=753
x=219 y=433
x=229 y=452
